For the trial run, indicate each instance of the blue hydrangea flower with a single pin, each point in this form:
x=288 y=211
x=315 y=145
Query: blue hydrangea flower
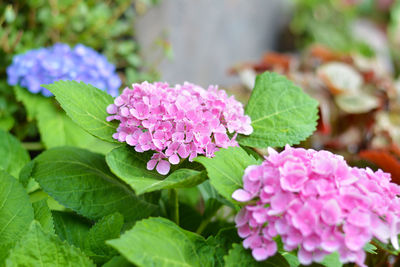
x=60 y=62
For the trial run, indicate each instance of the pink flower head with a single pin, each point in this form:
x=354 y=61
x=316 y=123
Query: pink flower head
x=317 y=204
x=177 y=122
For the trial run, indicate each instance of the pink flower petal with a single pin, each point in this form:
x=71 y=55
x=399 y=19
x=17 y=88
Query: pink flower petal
x=331 y=212
x=241 y=195
x=174 y=159
x=163 y=167
x=260 y=254
x=151 y=164
x=304 y=257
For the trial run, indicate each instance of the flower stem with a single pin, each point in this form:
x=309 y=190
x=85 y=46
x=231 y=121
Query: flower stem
x=33 y=146
x=174 y=204
x=203 y=225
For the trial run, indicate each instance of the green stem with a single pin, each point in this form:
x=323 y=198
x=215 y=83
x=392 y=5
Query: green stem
x=203 y=225
x=33 y=146
x=174 y=204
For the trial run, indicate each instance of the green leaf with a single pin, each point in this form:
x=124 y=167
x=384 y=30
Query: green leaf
x=71 y=228
x=226 y=169
x=160 y=242
x=26 y=180
x=118 y=261
x=130 y=167
x=16 y=213
x=387 y=247
x=281 y=113
x=33 y=103
x=13 y=156
x=43 y=215
x=291 y=259
x=6 y=122
x=222 y=243
x=107 y=228
x=39 y=248
x=238 y=256
x=55 y=127
x=80 y=180
x=25 y=173
x=332 y=260
x=290 y=256
x=209 y=194
x=86 y=106
x=369 y=248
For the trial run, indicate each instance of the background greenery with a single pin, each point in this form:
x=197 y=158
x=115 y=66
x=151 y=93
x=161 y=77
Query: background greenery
x=107 y=26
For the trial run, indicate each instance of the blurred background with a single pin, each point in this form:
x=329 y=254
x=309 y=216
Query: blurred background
x=344 y=53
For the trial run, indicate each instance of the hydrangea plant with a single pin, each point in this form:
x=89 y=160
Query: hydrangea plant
x=291 y=207
x=60 y=62
x=317 y=204
x=178 y=122
x=30 y=70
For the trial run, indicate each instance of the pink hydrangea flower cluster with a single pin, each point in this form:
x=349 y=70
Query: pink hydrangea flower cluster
x=177 y=122
x=317 y=204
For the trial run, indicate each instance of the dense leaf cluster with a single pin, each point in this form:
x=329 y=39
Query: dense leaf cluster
x=70 y=206
x=105 y=26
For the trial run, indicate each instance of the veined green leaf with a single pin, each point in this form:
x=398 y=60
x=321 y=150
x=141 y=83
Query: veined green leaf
x=238 y=256
x=71 y=228
x=281 y=113
x=118 y=261
x=86 y=106
x=38 y=248
x=226 y=169
x=130 y=166
x=160 y=242
x=16 y=213
x=55 y=127
x=43 y=215
x=13 y=156
x=80 y=180
x=222 y=243
x=107 y=228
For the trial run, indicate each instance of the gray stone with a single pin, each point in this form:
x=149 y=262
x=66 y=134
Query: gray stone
x=208 y=37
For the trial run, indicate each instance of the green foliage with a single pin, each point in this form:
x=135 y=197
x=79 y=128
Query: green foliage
x=33 y=103
x=281 y=113
x=108 y=27
x=332 y=260
x=86 y=106
x=160 y=242
x=105 y=26
x=369 y=248
x=71 y=228
x=107 y=228
x=16 y=213
x=329 y=23
x=130 y=166
x=81 y=181
x=226 y=169
x=38 y=248
x=222 y=243
x=13 y=156
x=8 y=107
x=79 y=232
x=55 y=127
x=238 y=256
x=118 y=261
x=25 y=173
x=43 y=215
